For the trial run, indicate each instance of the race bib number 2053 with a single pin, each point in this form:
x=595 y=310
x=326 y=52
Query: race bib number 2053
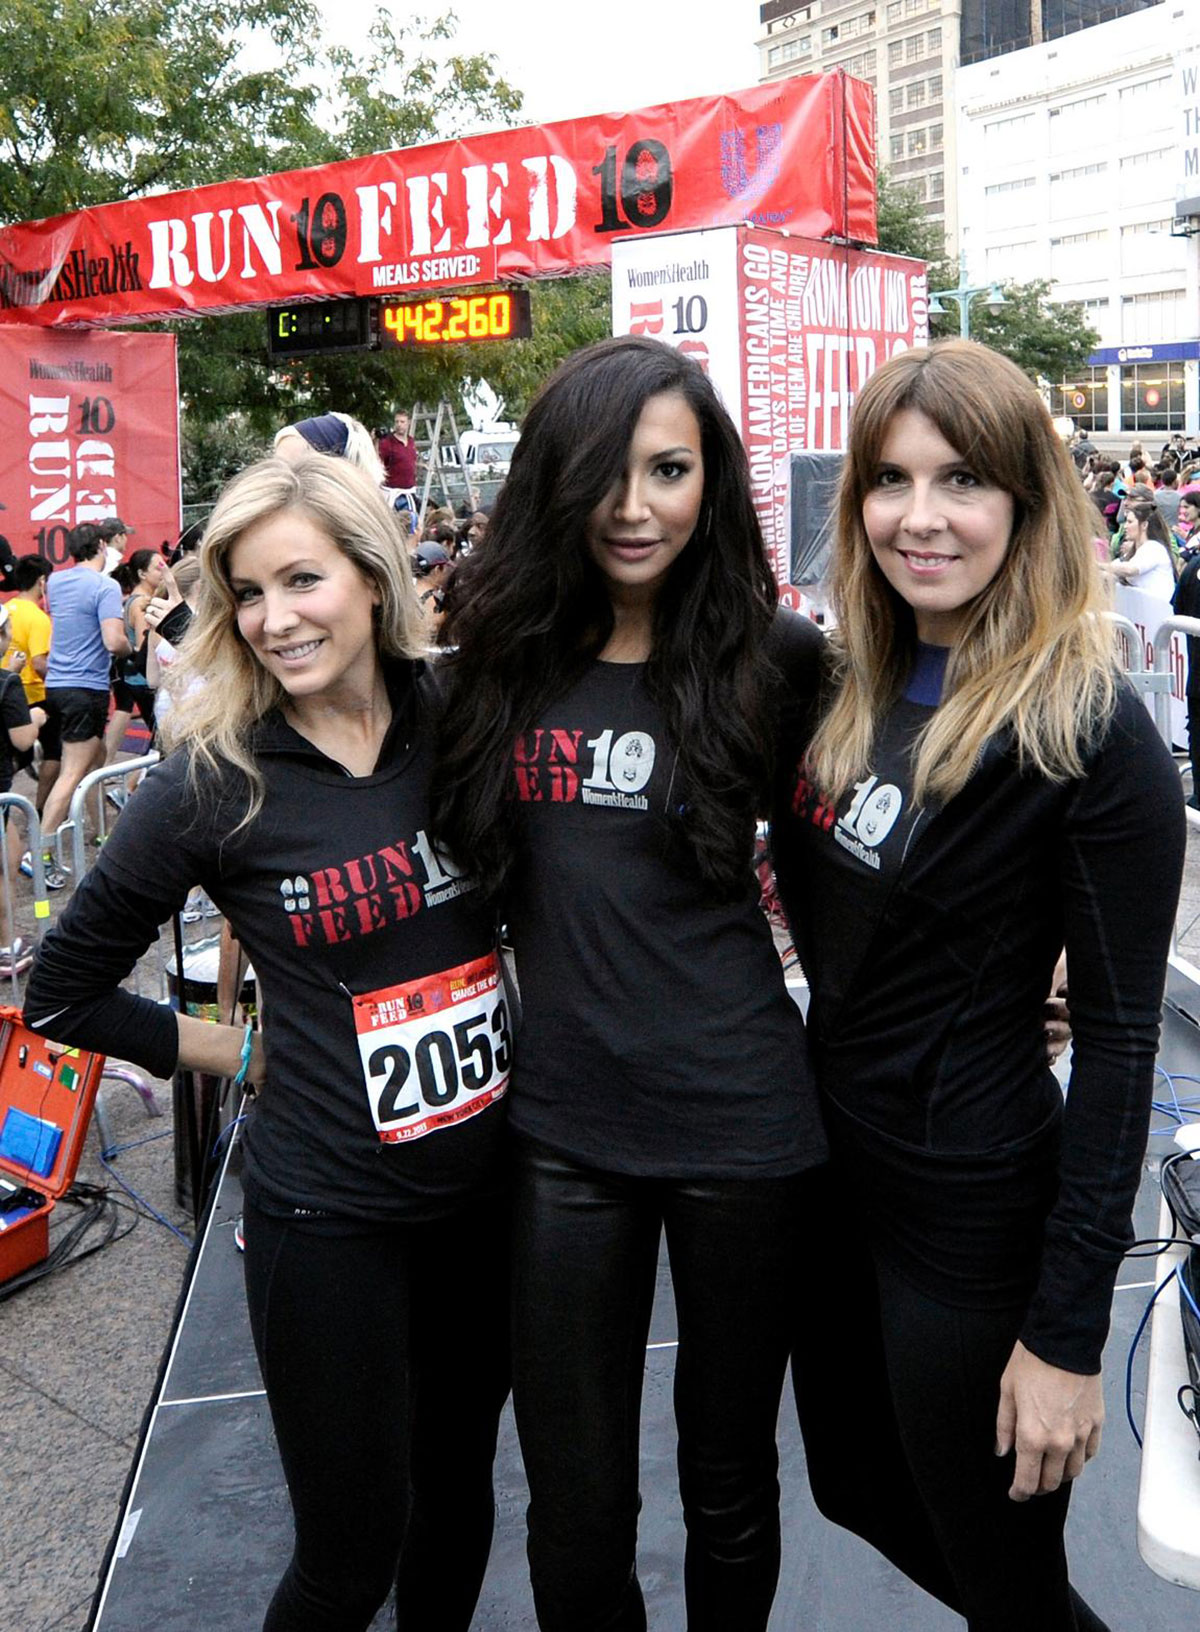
x=434 y=1051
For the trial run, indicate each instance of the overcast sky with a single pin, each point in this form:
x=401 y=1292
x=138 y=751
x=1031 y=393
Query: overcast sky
x=593 y=56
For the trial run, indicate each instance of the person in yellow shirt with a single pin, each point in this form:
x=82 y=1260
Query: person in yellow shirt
x=29 y=639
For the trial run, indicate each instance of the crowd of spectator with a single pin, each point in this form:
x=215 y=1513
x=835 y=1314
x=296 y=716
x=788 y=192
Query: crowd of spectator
x=1171 y=483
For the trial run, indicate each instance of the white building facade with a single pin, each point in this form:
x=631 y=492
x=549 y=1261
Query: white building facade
x=1069 y=155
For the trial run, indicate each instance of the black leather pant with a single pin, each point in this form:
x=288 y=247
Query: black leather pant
x=383 y=1349
x=586 y=1253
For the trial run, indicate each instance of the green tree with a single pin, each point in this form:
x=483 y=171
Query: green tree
x=101 y=100
x=904 y=228
x=1048 y=339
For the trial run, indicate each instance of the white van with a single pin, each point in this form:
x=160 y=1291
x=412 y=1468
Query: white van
x=487 y=453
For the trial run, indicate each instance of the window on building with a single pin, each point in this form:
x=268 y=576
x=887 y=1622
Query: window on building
x=935 y=88
x=1012 y=261
x=934 y=41
x=1140 y=229
x=1074 y=193
x=895 y=53
x=896 y=100
x=937 y=184
x=1140 y=161
x=1152 y=397
x=914 y=48
x=897 y=148
x=797 y=46
x=1083 y=397
x=1078 y=172
x=1159 y=316
x=1146 y=88
x=935 y=138
x=916 y=94
x=1010 y=203
x=828 y=35
x=1075 y=124
x=916 y=143
x=895 y=12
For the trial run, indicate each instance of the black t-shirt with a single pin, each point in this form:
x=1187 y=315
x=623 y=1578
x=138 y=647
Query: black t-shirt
x=658 y=1036
x=334 y=892
x=929 y=939
x=14 y=710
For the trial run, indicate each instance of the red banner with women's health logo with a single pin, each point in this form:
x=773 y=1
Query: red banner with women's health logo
x=787 y=328
x=89 y=427
x=515 y=203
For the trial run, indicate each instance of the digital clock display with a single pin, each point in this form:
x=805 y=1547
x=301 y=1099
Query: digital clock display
x=319 y=326
x=498 y=314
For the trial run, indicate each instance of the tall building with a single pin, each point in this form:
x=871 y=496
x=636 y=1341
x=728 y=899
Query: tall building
x=990 y=27
x=1070 y=168
x=907 y=50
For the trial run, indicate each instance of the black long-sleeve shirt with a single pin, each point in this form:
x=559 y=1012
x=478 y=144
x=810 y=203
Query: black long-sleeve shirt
x=929 y=938
x=335 y=893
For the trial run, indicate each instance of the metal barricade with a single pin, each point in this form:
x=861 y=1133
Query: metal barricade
x=1156 y=681
x=74 y=826
x=14 y=804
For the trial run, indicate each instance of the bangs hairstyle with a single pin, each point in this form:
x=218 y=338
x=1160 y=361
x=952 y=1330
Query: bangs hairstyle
x=1035 y=656
x=222 y=691
x=529 y=610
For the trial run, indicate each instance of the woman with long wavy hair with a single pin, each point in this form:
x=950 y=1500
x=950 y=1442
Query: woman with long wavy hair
x=296 y=795
x=605 y=749
x=978 y=782
x=1148 y=560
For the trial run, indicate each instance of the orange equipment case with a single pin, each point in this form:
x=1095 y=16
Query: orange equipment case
x=46 y=1099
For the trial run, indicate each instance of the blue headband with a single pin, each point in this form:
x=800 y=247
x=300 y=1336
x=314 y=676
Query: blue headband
x=325 y=434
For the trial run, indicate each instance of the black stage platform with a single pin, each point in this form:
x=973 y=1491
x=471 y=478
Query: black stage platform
x=205 y=1532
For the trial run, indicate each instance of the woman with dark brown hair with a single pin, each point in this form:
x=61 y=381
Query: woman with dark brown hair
x=606 y=747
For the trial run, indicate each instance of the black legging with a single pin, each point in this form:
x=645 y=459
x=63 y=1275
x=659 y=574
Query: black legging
x=384 y=1353
x=585 y=1258
x=897 y=1396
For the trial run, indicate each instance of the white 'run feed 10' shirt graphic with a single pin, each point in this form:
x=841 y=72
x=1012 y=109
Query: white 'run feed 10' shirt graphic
x=561 y=767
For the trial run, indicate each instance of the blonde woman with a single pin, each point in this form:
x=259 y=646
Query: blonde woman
x=375 y=1256
x=975 y=788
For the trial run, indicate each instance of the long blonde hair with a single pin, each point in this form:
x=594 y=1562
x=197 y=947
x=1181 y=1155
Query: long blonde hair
x=222 y=691
x=1035 y=655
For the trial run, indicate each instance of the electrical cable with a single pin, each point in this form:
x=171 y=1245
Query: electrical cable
x=1160 y=1243
x=142 y=1205
x=1137 y=1337
x=98 y=1211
